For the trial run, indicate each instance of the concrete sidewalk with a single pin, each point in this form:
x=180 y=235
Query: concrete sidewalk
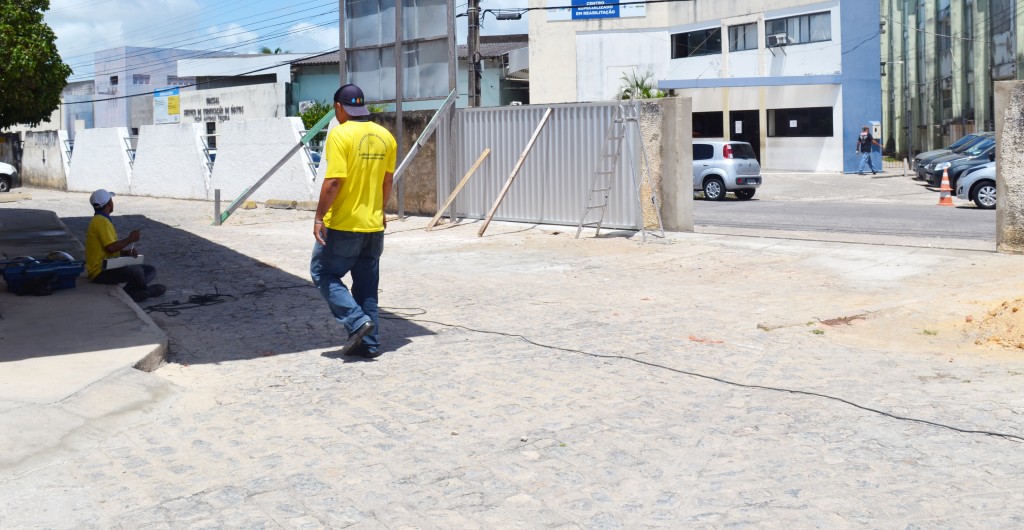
x=54 y=348
x=535 y=380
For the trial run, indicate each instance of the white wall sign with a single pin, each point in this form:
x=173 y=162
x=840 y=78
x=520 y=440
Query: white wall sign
x=166 y=106
x=792 y=123
x=739 y=127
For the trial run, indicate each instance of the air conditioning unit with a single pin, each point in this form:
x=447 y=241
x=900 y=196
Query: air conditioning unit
x=778 y=39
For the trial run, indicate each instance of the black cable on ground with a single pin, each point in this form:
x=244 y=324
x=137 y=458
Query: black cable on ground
x=1012 y=437
x=173 y=309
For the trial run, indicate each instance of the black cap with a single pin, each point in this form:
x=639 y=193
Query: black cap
x=351 y=99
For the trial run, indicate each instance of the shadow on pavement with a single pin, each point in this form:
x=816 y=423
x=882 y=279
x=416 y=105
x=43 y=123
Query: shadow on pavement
x=233 y=307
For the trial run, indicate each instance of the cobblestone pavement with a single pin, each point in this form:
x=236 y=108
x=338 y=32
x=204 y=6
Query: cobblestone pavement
x=606 y=417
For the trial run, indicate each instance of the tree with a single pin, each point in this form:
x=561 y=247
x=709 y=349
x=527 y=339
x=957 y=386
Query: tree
x=267 y=51
x=639 y=86
x=33 y=74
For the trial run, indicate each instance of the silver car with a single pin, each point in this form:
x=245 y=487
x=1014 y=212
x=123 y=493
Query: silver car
x=978 y=184
x=721 y=166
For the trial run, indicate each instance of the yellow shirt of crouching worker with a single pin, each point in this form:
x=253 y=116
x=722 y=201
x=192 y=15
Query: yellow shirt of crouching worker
x=359 y=153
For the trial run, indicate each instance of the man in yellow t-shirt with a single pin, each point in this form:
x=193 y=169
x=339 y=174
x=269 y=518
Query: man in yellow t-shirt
x=349 y=222
x=101 y=242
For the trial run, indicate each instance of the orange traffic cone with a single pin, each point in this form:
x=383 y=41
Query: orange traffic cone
x=945 y=197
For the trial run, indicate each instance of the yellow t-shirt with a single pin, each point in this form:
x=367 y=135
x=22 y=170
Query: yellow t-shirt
x=359 y=153
x=100 y=234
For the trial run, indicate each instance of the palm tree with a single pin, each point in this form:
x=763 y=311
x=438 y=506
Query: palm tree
x=639 y=86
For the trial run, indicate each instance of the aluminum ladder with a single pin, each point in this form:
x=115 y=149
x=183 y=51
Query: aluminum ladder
x=626 y=112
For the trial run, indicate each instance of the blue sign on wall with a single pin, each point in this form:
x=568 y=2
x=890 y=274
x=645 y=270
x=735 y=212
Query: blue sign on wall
x=584 y=9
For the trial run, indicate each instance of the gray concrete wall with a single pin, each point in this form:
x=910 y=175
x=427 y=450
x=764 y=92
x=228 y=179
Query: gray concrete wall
x=677 y=165
x=43 y=160
x=100 y=160
x=170 y=162
x=1009 y=108
x=247 y=149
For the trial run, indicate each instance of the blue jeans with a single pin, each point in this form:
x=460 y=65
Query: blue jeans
x=358 y=254
x=865 y=158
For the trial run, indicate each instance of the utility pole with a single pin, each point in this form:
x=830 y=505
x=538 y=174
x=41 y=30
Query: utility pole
x=473 y=55
x=342 y=58
x=907 y=102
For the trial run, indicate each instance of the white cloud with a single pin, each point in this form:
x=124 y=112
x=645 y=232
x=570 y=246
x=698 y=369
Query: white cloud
x=232 y=35
x=83 y=28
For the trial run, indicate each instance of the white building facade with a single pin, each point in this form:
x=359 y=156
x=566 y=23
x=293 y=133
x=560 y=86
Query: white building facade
x=795 y=78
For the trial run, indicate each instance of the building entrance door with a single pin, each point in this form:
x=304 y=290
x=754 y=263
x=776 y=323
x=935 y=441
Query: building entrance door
x=745 y=126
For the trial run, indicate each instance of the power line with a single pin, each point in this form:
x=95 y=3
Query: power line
x=211 y=80
x=205 y=54
x=206 y=36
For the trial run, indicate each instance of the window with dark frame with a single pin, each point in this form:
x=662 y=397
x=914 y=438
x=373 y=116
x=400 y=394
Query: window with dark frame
x=707 y=125
x=743 y=37
x=800 y=29
x=696 y=43
x=813 y=122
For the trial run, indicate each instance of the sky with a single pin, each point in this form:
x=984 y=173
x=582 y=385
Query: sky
x=84 y=27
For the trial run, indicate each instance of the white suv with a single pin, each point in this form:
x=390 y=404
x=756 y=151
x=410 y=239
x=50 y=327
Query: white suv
x=721 y=166
x=9 y=177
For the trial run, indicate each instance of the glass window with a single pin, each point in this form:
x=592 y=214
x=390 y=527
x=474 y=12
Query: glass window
x=140 y=79
x=805 y=122
x=741 y=150
x=799 y=29
x=703 y=152
x=707 y=125
x=694 y=43
x=743 y=37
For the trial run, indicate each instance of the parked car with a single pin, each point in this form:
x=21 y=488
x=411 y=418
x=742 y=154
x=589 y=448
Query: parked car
x=955 y=164
x=944 y=151
x=978 y=184
x=721 y=166
x=921 y=161
x=9 y=177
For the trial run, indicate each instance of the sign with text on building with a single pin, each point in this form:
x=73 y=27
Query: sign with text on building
x=166 y=106
x=593 y=9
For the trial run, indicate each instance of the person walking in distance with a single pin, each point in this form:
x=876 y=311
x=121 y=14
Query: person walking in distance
x=864 y=143
x=349 y=222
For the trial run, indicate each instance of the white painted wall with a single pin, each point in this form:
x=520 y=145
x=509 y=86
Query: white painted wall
x=248 y=149
x=169 y=162
x=615 y=54
x=42 y=160
x=232 y=104
x=780 y=153
x=100 y=160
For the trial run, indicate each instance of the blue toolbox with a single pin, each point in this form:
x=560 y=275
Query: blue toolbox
x=27 y=275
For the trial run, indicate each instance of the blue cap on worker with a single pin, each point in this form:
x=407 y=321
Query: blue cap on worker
x=351 y=99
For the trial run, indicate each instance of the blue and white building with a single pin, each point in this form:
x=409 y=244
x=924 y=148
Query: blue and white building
x=795 y=78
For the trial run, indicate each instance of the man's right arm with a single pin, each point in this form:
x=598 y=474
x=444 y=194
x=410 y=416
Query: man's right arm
x=120 y=244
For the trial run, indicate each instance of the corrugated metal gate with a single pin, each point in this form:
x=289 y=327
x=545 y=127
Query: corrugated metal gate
x=552 y=186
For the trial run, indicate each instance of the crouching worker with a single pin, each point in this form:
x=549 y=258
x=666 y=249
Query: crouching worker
x=101 y=243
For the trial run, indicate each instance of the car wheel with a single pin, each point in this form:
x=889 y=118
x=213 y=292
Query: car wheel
x=5 y=183
x=745 y=195
x=714 y=189
x=984 y=194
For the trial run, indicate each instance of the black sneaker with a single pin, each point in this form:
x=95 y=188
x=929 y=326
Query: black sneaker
x=356 y=337
x=138 y=296
x=365 y=352
x=156 y=290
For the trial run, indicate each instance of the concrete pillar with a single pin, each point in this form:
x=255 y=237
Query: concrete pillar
x=677 y=165
x=1009 y=107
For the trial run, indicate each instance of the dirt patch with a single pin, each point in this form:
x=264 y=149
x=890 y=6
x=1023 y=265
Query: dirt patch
x=843 y=321
x=1001 y=326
